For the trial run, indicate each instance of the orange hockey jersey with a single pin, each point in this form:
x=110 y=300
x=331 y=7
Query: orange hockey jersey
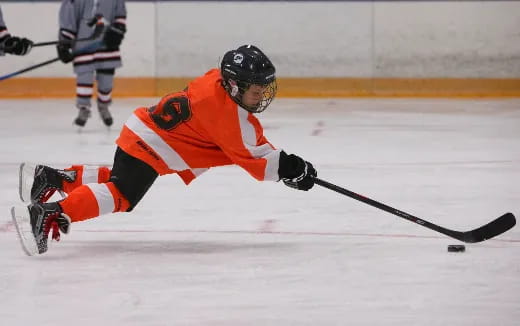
x=201 y=127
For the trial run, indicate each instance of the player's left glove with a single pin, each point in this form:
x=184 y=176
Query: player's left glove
x=17 y=46
x=114 y=36
x=296 y=172
x=64 y=49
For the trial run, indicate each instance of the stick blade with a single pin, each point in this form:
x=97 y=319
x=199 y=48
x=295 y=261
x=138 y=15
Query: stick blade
x=490 y=230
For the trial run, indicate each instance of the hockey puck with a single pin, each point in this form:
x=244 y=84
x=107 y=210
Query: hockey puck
x=456 y=248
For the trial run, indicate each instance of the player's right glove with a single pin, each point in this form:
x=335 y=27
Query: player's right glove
x=18 y=46
x=296 y=172
x=64 y=49
x=114 y=36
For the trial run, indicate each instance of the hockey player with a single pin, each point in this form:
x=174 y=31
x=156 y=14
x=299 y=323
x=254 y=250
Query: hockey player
x=90 y=63
x=12 y=44
x=209 y=124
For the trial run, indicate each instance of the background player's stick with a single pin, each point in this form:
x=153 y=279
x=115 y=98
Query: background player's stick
x=488 y=231
x=90 y=38
x=28 y=69
x=16 y=73
x=98 y=30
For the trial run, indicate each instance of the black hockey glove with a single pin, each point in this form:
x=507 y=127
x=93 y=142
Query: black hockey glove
x=114 y=35
x=295 y=172
x=64 y=49
x=17 y=46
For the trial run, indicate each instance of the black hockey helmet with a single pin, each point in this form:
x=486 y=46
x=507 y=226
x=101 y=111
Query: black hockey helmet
x=248 y=66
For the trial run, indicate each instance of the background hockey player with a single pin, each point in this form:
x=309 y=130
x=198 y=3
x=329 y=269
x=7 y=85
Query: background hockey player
x=92 y=62
x=209 y=124
x=12 y=44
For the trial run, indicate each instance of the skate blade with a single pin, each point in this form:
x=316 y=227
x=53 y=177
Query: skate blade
x=25 y=183
x=26 y=179
x=22 y=222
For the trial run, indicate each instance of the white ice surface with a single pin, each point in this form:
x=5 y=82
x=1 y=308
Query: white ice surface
x=229 y=250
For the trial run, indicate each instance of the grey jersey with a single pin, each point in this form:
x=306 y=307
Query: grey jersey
x=2 y=23
x=4 y=33
x=75 y=16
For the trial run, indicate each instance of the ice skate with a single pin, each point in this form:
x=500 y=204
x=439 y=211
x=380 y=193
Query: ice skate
x=40 y=185
x=105 y=115
x=83 y=115
x=34 y=223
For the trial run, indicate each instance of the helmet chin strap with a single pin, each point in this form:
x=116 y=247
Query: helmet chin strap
x=234 y=87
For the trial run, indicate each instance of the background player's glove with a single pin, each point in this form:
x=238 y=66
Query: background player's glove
x=114 y=35
x=64 y=49
x=18 y=46
x=295 y=172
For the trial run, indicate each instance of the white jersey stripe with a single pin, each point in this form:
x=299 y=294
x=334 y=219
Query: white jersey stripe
x=199 y=171
x=273 y=162
x=85 y=57
x=263 y=151
x=68 y=35
x=103 y=196
x=168 y=154
x=90 y=174
x=104 y=55
x=97 y=55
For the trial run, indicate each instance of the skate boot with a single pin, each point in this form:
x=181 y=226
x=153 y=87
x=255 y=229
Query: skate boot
x=83 y=115
x=47 y=181
x=105 y=115
x=44 y=218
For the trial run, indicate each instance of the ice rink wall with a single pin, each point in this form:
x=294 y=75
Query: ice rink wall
x=320 y=48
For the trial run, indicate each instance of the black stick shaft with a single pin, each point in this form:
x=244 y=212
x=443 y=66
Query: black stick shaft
x=45 y=43
x=56 y=42
x=95 y=34
x=376 y=204
x=16 y=73
x=28 y=69
x=488 y=231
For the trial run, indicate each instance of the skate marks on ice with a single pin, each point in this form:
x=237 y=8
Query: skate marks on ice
x=7 y=227
x=106 y=247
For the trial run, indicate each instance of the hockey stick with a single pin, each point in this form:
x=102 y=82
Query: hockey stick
x=488 y=231
x=90 y=38
x=28 y=69
x=16 y=73
x=98 y=30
